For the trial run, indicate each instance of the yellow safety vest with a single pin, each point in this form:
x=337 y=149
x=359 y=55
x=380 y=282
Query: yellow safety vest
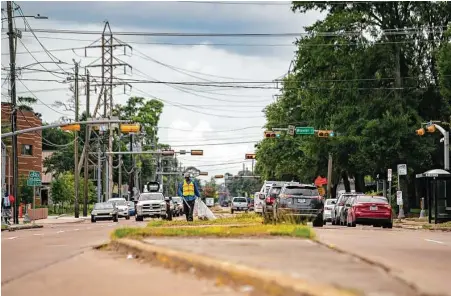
x=188 y=189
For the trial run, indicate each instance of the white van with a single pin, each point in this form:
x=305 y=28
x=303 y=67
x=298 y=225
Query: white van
x=261 y=195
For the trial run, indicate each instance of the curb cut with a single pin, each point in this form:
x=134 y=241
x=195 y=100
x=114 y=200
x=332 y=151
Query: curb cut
x=23 y=227
x=265 y=281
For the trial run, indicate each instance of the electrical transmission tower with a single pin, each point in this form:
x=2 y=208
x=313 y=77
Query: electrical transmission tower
x=107 y=83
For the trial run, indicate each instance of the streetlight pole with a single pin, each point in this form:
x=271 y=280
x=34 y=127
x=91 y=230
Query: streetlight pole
x=76 y=175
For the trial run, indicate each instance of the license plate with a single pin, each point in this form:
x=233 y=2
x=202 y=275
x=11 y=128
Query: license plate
x=373 y=208
x=301 y=199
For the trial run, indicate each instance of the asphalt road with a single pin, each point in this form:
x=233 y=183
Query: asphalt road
x=420 y=257
x=59 y=260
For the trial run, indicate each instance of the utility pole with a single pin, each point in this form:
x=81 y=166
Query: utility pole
x=130 y=180
x=86 y=169
x=119 y=190
x=76 y=176
x=99 y=174
x=12 y=79
x=329 y=176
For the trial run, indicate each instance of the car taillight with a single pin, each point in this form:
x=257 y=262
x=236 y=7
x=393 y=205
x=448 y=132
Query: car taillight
x=270 y=200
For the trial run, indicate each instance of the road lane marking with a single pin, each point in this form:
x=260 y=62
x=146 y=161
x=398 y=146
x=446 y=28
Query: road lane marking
x=13 y=237
x=434 y=241
x=38 y=234
x=61 y=231
x=76 y=229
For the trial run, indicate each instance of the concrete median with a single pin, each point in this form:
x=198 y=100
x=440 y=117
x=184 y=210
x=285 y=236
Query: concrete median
x=264 y=282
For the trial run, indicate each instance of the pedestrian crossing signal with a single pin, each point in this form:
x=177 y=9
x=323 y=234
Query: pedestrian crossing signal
x=250 y=156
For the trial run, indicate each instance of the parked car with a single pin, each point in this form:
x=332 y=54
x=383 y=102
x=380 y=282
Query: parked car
x=104 y=211
x=336 y=211
x=269 y=201
x=151 y=204
x=122 y=207
x=250 y=204
x=262 y=194
x=300 y=201
x=178 y=202
x=131 y=208
x=370 y=210
x=239 y=204
x=343 y=215
x=328 y=207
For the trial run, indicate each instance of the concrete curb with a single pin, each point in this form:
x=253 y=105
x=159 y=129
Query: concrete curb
x=412 y=227
x=23 y=227
x=264 y=282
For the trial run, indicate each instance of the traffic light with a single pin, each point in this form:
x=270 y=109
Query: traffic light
x=270 y=134
x=197 y=152
x=203 y=174
x=325 y=134
x=167 y=152
x=250 y=156
x=420 y=132
x=219 y=176
x=71 y=127
x=129 y=128
x=430 y=128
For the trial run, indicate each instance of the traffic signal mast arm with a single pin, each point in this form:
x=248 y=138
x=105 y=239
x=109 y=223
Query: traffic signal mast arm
x=430 y=128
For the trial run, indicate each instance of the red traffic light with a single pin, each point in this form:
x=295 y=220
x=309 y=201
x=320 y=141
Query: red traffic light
x=250 y=156
x=270 y=134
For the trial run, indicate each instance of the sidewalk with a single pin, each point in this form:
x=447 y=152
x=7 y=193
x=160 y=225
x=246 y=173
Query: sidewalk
x=57 y=220
x=298 y=259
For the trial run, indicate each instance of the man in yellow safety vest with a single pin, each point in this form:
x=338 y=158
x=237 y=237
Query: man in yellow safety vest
x=189 y=192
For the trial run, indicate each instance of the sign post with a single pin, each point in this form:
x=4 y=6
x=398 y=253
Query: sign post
x=389 y=176
x=34 y=179
x=402 y=171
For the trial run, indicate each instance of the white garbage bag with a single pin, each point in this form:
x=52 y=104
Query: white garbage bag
x=202 y=211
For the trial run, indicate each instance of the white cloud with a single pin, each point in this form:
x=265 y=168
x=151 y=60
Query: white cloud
x=220 y=118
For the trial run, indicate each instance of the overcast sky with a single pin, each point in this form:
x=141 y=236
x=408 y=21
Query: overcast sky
x=222 y=115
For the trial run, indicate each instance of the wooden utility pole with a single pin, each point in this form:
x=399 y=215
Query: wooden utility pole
x=76 y=175
x=86 y=169
x=12 y=79
x=329 y=177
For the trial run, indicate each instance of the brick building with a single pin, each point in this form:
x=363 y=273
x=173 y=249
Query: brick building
x=29 y=145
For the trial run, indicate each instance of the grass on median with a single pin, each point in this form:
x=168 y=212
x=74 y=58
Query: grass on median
x=442 y=226
x=244 y=219
x=290 y=230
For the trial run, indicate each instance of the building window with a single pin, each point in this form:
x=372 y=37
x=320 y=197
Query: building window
x=27 y=149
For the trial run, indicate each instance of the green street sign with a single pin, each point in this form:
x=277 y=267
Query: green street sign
x=34 y=175
x=305 y=130
x=34 y=182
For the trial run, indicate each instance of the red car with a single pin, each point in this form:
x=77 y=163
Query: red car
x=369 y=210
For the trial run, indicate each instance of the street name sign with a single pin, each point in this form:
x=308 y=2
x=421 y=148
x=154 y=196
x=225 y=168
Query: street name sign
x=389 y=175
x=305 y=130
x=34 y=179
x=402 y=169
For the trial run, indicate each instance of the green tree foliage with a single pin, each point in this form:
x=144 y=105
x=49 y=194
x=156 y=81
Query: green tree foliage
x=63 y=190
x=25 y=191
x=352 y=74
x=242 y=186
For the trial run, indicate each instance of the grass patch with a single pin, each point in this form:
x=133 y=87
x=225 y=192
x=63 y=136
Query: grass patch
x=4 y=226
x=445 y=225
x=237 y=219
x=261 y=230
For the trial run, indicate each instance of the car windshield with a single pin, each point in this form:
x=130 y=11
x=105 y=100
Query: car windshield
x=331 y=201
x=151 y=196
x=239 y=199
x=130 y=203
x=275 y=190
x=103 y=206
x=306 y=191
x=371 y=199
x=176 y=198
x=118 y=202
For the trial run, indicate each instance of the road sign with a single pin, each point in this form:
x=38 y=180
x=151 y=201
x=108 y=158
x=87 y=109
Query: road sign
x=321 y=191
x=279 y=129
x=389 y=175
x=402 y=169
x=305 y=130
x=34 y=179
x=291 y=129
x=399 y=198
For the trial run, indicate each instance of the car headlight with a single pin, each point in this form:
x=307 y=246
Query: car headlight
x=93 y=213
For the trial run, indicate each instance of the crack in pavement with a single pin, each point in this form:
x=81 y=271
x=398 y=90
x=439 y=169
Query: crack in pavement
x=386 y=268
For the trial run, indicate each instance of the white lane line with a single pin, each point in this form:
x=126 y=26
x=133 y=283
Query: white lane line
x=38 y=234
x=76 y=229
x=434 y=241
x=61 y=231
x=13 y=237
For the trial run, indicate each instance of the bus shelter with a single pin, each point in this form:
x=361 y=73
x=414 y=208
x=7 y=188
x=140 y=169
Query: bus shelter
x=438 y=194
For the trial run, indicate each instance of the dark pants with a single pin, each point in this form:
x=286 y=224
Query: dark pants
x=188 y=210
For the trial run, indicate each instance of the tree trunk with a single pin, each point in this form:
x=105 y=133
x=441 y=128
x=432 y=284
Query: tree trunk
x=359 y=183
x=344 y=175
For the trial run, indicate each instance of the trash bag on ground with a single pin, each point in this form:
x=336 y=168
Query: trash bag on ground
x=202 y=211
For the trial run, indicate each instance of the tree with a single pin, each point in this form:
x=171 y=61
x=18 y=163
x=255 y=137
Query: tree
x=63 y=190
x=373 y=90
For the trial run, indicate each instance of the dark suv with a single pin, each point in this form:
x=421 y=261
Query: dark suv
x=300 y=201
